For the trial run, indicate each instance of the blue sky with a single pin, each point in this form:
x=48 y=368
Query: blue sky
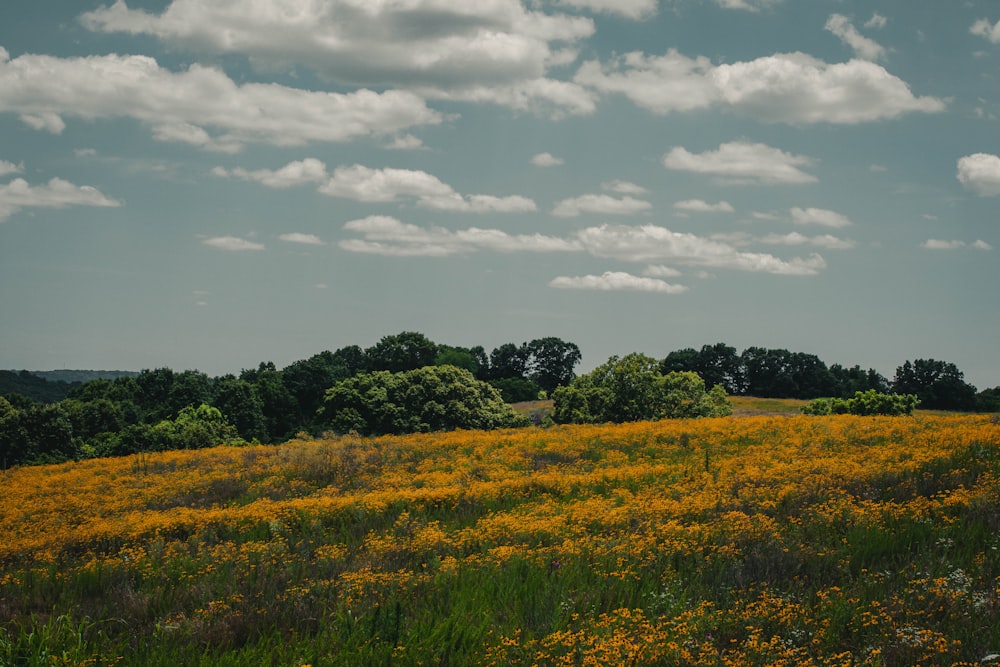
x=213 y=183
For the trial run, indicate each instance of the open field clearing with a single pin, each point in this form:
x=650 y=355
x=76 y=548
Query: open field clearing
x=767 y=540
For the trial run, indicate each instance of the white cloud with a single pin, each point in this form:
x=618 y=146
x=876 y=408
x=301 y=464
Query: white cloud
x=701 y=206
x=746 y=5
x=406 y=142
x=650 y=243
x=877 y=21
x=624 y=187
x=647 y=244
x=984 y=28
x=496 y=51
x=365 y=184
x=630 y=9
x=299 y=172
x=938 y=244
x=819 y=216
x=742 y=162
x=546 y=160
x=385 y=185
x=796 y=239
x=57 y=193
x=305 y=239
x=601 y=204
x=760 y=215
x=85 y=152
x=10 y=168
x=844 y=30
x=661 y=271
x=200 y=106
x=617 y=281
x=45 y=121
x=232 y=244
x=980 y=173
x=790 y=88
x=385 y=235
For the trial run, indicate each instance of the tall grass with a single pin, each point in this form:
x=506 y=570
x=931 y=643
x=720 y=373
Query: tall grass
x=757 y=541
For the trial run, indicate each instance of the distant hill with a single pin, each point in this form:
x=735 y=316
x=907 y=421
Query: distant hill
x=82 y=376
x=51 y=386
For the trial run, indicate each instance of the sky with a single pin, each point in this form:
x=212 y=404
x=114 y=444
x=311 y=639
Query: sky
x=209 y=184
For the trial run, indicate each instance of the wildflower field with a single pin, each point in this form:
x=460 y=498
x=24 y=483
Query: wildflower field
x=768 y=540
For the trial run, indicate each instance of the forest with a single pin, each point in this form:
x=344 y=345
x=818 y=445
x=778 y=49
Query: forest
x=409 y=383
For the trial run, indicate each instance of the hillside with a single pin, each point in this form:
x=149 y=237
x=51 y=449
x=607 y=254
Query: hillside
x=753 y=541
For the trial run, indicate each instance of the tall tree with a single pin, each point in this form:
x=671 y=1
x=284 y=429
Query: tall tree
x=552 y=362
x=939 y=385
x=404 y=351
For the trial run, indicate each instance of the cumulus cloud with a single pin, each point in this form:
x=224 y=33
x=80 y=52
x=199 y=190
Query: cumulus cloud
x=645 y=244
x=305 y=239
x=980 y=173
x=232 y=244
x=406 y=142
x=651 y=243
x=624 y=187
x=497 y=51
x=863 y=47
x=7 y=168
x=984 y=28
x=200 y=106
x=826 y=241
x=57 y=193
x=938 y=244
x=746 y=5
x=661 y=271
x=384 y=185
x=601 y=204
x=877 y=22
x=365 y=184
x=742 y=162
x=617 y=281
x=819 y=216
x=791 y=88
x=701 y=206
x=385 y=235
x=300 y=172
x=630 y=9
x=546 y=160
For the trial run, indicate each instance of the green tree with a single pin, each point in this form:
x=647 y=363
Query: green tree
x=633 y=388
x=552 y=361
x=457 y=356
x=404 y=351
x=195 y=428
x=509 y=361
x=938 y=384
x=430 y=398
x=241 y=404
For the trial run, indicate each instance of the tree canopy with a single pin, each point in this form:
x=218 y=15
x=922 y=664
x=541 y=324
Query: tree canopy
x=633 y=388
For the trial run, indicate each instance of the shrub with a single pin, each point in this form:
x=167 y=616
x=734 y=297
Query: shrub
x=868 y=402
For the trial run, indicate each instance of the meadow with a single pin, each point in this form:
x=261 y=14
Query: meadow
x=759 y=540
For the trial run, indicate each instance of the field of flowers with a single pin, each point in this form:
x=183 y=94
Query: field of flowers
x=734 y=541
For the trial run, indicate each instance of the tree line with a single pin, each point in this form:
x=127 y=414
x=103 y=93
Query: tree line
x=161 y=408
x=406 y=382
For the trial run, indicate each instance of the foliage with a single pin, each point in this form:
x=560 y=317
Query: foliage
x=835 y=541
x=632 y=388
x=33 y=387
x=516 y=390
x=405 y=351
x=431 y=398
x=868 y=402
x=938 y=384
x=551 y=362
x=988 y=400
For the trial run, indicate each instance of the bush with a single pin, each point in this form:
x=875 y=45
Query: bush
x=431 y=398
x=632 y=388
x=868 y=402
